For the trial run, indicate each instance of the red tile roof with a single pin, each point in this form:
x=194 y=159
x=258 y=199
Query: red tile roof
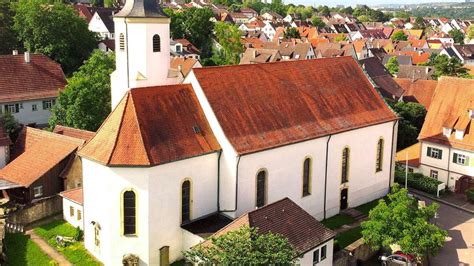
x=74 y=195
x=152 y=126
x=286 y=218
x=36 y=152
x=41 y=78
x=74 y=132
x=4 y=138
x=281 y=103
x=421 y=91
x=412 y=154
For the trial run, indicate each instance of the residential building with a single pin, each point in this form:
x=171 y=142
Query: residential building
x=29 y=86
x=382 y=78
x=418 y=90
x=102 y=23
x=73 y=212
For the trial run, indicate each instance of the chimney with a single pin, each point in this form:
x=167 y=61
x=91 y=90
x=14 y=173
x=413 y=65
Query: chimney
x=254 y=53
x=15 y=52
x=180 y=68
x=27 y=57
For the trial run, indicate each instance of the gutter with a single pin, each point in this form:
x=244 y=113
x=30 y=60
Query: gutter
x=236 y=187
x=218 y=179
x=392 y=166
x=449 y=165
x=326 y=175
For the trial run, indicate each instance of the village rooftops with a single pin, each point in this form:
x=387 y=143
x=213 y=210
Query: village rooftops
x=152 y=126
x=281 y=103
x=420 y=91
x=38 y=78
x=74 y=132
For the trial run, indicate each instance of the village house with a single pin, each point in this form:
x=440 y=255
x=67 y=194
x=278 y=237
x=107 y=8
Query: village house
x=418 y=90
x=102 y=23
x=175 y=155
x=72 y=207
x=445 y=151
x=29 y=86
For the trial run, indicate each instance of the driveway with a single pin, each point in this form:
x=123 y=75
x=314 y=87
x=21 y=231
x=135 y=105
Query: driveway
x=459 y=247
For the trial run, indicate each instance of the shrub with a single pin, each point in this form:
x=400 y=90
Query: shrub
x=418 y=181
x=470 y=194
x=78 y=235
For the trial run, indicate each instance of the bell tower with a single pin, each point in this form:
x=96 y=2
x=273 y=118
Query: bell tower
x=142 y=48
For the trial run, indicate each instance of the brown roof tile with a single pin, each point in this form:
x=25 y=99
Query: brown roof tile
x=152 y=126
x=420 y=91
x=276 y=104
x=412 y=154
x=74 y=132
x=41 y=78
x=74 y=195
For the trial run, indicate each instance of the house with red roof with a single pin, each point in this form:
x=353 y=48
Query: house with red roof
x=73 y=212
x=29 y=86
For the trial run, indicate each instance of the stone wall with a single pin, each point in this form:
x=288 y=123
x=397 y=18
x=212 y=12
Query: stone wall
x=36 y=211
x=357 y=251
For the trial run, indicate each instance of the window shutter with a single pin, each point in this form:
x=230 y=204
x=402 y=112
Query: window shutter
x=428 y=153
x=455 y=158
x=440 y=154
x=466 y=162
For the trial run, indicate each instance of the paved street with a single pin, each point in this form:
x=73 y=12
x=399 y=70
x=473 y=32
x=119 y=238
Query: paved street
x=459 y=248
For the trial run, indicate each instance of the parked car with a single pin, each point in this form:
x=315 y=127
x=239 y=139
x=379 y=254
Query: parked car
x=398 y=258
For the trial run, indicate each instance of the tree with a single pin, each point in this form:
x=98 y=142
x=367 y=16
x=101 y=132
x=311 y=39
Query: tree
x=445 y=66
x=470 y=32
x=412 y=116
x=8 y=37
x=11 y=125
x=85 y=102
x=54 y=30
x=340 y=38
x=419 y=23
x=317 y=22
x=324 y=10
x=457 y=36
x=228 y=36
x=400 y=221
x=399 y=36
x=291 y=33
x=392 y=65
x=244 y=246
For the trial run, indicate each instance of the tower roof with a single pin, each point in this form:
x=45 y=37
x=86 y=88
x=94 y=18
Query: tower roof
x=141 y=9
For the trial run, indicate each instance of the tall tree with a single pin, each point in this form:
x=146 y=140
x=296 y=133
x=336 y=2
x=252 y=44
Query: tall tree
x=11 y=125
x=400 y=221
x=470 y=32
x=228 y=36
x=317 y=22
x=85 y=102
x=54 y=30
x=8 y=37
x=392 y=65
x=457 y=36
x=244 y=246
x=445 y=66
x=291 y=33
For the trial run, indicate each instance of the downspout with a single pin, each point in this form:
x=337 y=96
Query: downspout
x=449 y=172
x=326 y=175
x=392 y=166
x=218 y=179
x=236 y=186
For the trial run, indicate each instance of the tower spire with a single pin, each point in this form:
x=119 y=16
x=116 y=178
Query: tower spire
x=141 y=9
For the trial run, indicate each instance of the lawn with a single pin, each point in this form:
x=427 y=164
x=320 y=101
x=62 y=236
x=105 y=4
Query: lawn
x=348 y=237
x=21 y=250
x=365 y=208
x=338 y=221
x=74 y=253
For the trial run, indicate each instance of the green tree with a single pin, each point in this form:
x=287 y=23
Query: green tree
x=317 y=22
x=291 y=33
x=470 y=32
x=392 y=65
x=85 y=102
x=363 y=18
x=54 y=30
x=340 y=38
x=228 y=36
x=324 y=10
x=400 y=221
x=8 y=37
x=412 y=116
x=399 y=36
x=244 y=246
x=11 y=125
x=419 y=23
x=457 y=36
x=445 y=66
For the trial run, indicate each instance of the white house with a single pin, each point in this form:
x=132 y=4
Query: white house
x=102 y=23
x=170 y=158
x=72 y=207
x=269 y=29
x=29 y=85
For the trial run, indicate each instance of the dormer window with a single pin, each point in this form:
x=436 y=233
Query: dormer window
x=459 y=134
x=178 y=48
x=447 y=131
x=156 y=43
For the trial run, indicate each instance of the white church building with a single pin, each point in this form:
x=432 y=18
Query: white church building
x=172 y=158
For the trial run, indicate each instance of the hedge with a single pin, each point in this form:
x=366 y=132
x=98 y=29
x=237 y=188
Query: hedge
x=418 y=181
x=470 y=194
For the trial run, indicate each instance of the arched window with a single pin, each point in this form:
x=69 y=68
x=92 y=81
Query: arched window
x=261 y=188
x=156 y=43
x=122 y=42
x=186 y=201
x=129 y=213
x=307 y=177
x=345 y=165
x=379 y=159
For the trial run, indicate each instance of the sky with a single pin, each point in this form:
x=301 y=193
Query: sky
x=362 y=2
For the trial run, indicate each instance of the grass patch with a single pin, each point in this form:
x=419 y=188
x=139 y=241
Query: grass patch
x=338 y=220
x=348 y=237
x=75 y=253
x=21 y=250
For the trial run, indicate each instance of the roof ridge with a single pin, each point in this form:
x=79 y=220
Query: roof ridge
x=51 y=134
x=139 y=128
x=127 y=96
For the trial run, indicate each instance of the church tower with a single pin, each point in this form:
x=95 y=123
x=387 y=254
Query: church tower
x=142 y=48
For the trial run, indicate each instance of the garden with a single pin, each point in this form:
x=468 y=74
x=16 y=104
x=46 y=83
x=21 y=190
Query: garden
x=418 y=181
x=21 y=251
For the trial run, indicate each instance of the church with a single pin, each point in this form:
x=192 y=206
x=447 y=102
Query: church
x=225 y=142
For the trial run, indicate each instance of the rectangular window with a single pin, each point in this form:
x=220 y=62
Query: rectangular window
x=460 y=159
x=434 y=174
x=38 y=191
x=48 y=104
x=323 y=252
x=410 y=170
x=79 y=215
x=315 y=256
x=34 y=108
x=434 y=153
x=71 y=211
x=12 y=108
